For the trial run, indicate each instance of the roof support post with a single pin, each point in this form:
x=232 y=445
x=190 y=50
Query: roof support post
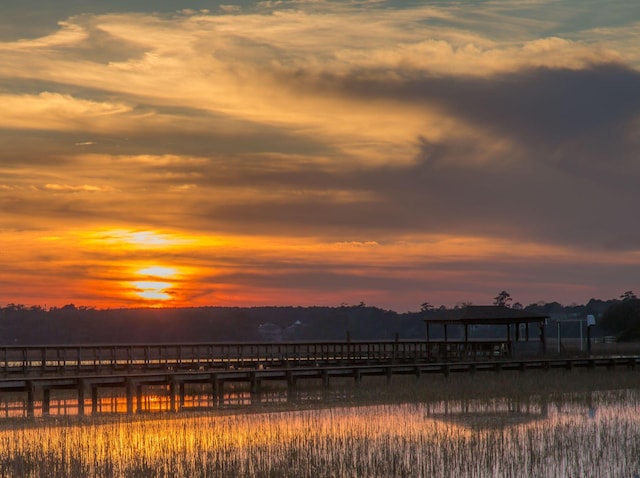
x=465 y=347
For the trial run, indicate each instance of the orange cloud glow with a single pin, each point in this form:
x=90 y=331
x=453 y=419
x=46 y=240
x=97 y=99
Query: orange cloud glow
x=314 y=152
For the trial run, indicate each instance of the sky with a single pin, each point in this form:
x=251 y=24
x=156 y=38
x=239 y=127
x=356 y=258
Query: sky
x=312 y=152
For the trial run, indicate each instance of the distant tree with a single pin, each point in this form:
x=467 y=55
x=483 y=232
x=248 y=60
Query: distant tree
x=502 y=299
x=517 y=306
x=463 y=304
x=623 y=319
x=628 y=295
x=426 y=306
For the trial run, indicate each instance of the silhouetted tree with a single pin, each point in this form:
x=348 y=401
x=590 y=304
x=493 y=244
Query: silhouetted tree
x=628 y=295
x=623 y=319
x=426 y=306
x=502 y=299
x=463 y=304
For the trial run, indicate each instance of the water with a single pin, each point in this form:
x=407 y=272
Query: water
x=552 y=434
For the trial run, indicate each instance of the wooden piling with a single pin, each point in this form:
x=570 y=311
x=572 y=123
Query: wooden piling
x=325 y=378
x=81 y=387
x=130 y=390
x=30 y=397
x=254 y=383
x=172 y=394
x=182 y=394
x=291 y=380
x=46 y=402
x=138 y=397
x=94 y=400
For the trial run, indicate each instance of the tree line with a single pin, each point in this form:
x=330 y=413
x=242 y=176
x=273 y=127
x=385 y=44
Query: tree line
x=27 y=325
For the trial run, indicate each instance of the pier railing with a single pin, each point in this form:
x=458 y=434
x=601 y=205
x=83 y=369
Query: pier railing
x=63 y=359
x=38 y=373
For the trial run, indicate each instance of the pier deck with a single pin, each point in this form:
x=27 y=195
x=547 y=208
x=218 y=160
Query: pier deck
x=89 y=368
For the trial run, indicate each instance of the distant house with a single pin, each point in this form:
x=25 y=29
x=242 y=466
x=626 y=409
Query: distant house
x=293 y=331
x=270 y=332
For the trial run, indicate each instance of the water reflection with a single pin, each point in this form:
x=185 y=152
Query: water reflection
x=495 y=413
x=333 y=433
x=158 y=399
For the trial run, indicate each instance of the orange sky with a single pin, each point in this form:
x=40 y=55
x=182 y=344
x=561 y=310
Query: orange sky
x=318 y=153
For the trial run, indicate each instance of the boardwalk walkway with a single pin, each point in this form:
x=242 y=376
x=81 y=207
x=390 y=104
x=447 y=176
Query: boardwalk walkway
x=39 y=371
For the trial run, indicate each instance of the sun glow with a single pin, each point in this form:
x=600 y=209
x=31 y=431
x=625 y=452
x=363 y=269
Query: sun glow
x=158 y=271
x=153 y=290
x=154 y=295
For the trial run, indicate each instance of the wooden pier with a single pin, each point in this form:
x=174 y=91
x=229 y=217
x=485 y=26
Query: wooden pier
x=41 y=371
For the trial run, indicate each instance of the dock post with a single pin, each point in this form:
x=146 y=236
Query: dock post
x=30 y=392
x=94 y=399
x=218 y=390
x=291 y=381
x=325 y=378
x=389 y=374
x=130 y=391
x=46 y=401
x=182 y=394
x=395 y=348
x=139 y=398
x=254 y=383
x=172 y=394
x=215 y=389
x=81 y=385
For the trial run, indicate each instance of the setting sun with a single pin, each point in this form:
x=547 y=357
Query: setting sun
x=154 y=295
x=153 y=290
x=157 y=271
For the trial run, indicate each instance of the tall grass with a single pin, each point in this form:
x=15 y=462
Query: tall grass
x=474 y=434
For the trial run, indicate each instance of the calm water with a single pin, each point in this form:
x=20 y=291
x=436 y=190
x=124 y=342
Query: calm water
x=585 y=434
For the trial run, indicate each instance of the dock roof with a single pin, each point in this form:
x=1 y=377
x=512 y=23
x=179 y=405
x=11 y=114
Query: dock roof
x=486 y=314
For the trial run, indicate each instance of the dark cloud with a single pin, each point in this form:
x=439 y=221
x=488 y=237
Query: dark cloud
x=542 y=109
x=570 y=176
x=101 y=47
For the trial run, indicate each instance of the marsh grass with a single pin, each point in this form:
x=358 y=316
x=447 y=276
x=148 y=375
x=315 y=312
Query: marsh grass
x=553 y=424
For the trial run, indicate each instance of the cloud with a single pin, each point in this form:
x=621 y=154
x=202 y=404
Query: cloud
x=55 y=111
x=360 y=146
x=73 y=189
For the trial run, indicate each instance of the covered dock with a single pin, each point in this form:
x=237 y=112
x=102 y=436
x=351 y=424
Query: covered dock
x=485 y=332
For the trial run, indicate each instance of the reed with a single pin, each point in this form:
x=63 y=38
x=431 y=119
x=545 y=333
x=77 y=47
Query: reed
x=567 y=428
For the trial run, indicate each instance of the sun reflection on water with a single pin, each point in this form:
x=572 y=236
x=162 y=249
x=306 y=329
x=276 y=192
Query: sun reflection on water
x=402 y=439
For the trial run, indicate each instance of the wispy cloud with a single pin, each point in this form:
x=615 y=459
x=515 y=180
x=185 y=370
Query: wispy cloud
x=328 y=144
